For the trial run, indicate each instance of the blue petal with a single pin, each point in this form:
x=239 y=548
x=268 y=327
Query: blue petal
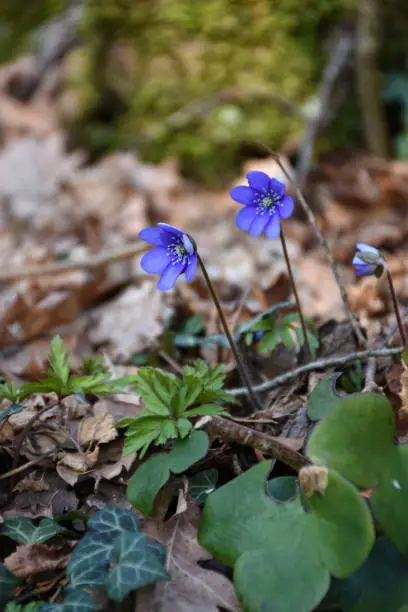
x=366 y=248
x=170 y=275
x=277 y=186
x=245 y=218
x=151 y=235
x=362 y=268
x=259 y=181
x=155 y=261
x=191 y=268
x=170 y=228
x=286 y=207
x=259 y=224
x=188 y=245
x=243 y=195
x=273 y=228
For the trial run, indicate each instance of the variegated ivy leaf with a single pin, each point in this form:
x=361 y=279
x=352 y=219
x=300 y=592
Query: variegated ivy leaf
x=24 y=531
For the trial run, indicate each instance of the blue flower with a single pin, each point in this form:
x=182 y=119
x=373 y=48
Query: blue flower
x=173 y=255
x=368 y=260
x=265 y=203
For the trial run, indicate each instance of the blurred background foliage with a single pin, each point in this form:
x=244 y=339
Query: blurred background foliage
x=197 y=80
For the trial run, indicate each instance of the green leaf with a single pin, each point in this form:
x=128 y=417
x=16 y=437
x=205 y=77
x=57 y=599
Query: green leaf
x=93 y=550
x=155 y=472
x=269 y=313
x=59 y=360
x=34 y=606
x=112 y=520
x=194 y=325
x=357 y=439
x=269 y=341
x=156 y=388
x=136 y=564
x=75 y=600
x=188 y=451
x=202 y=484
x=8 y=583
x=184 y=427
x=241 y=526
x=324 y=397
x=286 y=337
x=23 y=530
x=147 y=481
x=283 y=488
x=379 y=585
x=205 y=409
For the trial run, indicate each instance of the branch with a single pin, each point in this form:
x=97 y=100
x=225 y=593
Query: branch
x=91 y=262
x=321 y=364
x=219 y=427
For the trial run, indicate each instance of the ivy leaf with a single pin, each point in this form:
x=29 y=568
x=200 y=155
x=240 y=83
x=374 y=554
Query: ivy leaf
x=23 y=530
x=155 y=472
x=93 y=550
x=136 y=564
x=112 y=521
x=324 y=397
x=75 y=600
x=357 y=439
x=202 y=484
x=300 y=549
x=8 y=583
x=12 y=409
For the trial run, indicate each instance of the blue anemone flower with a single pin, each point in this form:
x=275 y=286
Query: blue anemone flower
x=265 y=203
x=174 y=254
x=368 y=260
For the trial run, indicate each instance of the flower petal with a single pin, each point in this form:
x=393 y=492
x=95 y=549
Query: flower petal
x=245 y=218
x=273 y=228
x=188 y=245
x=258 y=180
x=259 y=224
x=243 y=195
x=155 y=260
x=277 y=186
x=170 y=228
x=362 y=268
x=151 y=235
x=366 y=248
x=191 y=268
x=170 y=275
x=286 y=207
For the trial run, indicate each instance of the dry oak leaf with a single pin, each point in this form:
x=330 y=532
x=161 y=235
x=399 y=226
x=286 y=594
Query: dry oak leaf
x=31 y=559
x=97 y=429
x=191 y=587
x=132 y=322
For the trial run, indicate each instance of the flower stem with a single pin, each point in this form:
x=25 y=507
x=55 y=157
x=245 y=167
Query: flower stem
x=396 y=308
x=292 y=281
x=238 y=359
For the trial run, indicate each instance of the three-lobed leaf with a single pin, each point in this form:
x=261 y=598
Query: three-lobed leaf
x=358 y=440
x=244 y=528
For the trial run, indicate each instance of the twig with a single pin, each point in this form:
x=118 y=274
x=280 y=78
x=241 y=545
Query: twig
x=313 y=222
x=25 y=466
x=21 y=438
x=321 y=364
x=91 y=262
x=338 y=57
x=229 y=431
x=368 y=41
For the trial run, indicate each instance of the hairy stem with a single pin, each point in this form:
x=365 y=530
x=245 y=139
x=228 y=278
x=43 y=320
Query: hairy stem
x=396 y=308
x=294 y=289
x=238 y=359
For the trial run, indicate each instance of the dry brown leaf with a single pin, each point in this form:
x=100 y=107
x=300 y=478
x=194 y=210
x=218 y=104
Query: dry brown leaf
x=80 y=462
x=31 y=559
x=133 y=321
x=191 y=587
x=365 y=298
x=97 y=429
